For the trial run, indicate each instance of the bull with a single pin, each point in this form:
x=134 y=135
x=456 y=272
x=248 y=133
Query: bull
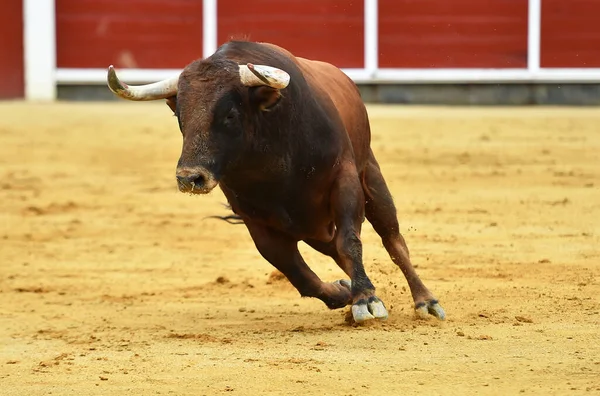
x=287 y=140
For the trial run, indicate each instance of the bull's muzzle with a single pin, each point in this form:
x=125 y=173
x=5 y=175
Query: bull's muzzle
x=196 y=180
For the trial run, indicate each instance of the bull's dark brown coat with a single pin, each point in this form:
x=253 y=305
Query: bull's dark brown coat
x=295 y=165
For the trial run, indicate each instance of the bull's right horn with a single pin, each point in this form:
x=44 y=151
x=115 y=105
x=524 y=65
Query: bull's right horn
x=254 y=75
x=158 y=90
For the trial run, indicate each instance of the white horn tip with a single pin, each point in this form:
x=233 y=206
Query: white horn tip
x=277 y=77
x=158 y=90
x=114 y=84
x=264 y=75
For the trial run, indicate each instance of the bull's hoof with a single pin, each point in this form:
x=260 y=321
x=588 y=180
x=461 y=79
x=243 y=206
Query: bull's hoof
x=367 y=309
x=426 y=309
x=337 y=294
x=343 y=283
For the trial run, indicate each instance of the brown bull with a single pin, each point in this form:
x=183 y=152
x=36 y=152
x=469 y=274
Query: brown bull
x=288 y=142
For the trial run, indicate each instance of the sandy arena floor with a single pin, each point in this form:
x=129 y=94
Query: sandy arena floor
x=112 y=282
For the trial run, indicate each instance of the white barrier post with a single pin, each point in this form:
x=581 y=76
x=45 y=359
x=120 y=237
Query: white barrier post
x=209 y=27
x=371 y=37
x=39 y=45
x=534 y=30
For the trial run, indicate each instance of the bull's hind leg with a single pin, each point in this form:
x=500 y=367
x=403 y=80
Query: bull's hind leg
x=381 y=213
x=282 y=252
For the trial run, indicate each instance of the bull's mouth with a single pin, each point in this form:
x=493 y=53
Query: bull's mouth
x=193 y=189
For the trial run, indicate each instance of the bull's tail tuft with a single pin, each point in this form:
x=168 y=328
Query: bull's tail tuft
x=231 y=219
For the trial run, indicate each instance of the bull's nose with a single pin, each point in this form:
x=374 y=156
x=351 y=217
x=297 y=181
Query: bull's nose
x=195 y=180
x=191 y=182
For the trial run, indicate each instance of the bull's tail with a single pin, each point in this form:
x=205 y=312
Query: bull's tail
x=231 y=219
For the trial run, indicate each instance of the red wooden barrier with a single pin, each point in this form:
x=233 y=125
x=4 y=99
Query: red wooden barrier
x=570 y=33
x=453 y=33
x=128 y=33
x=11 y=49
x=328 y=30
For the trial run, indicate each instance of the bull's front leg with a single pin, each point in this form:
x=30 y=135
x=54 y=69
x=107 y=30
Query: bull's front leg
x=348 y=202
x=282 y=252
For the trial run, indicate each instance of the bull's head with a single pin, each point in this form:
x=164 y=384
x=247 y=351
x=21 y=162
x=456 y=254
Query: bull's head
x=213 y=104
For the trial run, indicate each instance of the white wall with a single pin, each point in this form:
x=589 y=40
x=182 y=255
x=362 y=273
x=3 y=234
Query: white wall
x=42 y=76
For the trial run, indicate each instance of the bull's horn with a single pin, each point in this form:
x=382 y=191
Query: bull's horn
x=253 y=75
x=158 y=90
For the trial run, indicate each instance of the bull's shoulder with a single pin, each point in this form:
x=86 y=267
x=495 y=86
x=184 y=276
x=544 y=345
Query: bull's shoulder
x=278 y=49
x=332 y=80
x=323 y=69
x=334 y=85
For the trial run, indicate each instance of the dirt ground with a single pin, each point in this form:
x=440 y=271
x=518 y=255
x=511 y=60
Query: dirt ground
x=112 y=282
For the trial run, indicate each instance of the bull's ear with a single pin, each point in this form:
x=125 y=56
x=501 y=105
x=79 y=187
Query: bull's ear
x=265 y=97
x=172 y=103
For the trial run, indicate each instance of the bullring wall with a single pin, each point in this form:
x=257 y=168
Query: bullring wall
x=401 y=51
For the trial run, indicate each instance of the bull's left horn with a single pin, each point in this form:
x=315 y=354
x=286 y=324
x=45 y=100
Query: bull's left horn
x=158 y=90
x=254 y=75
